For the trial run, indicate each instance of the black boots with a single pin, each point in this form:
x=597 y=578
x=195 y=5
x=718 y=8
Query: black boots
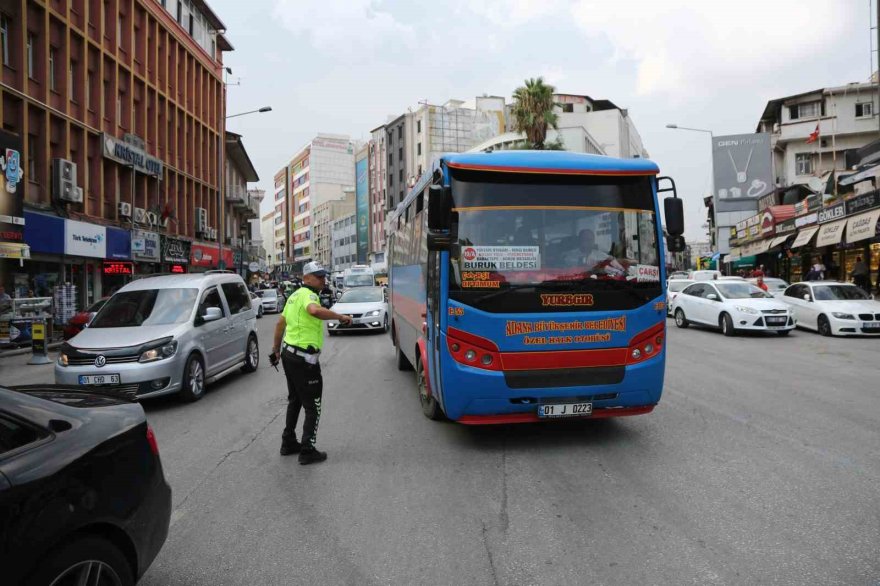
x=288 y=448
x=311 y=456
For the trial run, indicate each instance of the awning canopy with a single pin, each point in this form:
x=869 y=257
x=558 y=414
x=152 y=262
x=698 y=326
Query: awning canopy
x=14 y=250
x=862 y=227
x=830 y=233
x=778 y=240
x=804 y=236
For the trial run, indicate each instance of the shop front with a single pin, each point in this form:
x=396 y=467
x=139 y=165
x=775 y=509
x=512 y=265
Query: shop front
x=207 y=257
x=146 y=252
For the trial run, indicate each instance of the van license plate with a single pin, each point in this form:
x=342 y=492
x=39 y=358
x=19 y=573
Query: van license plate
x=99 y=379
x=565 y=410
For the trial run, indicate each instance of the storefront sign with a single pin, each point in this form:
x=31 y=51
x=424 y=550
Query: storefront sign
x=11 y=189
x=178 y=269
x=128 y=153
x=118 y=244
x=831 y=213
x=771 y=199
x=118 y=268
x=145 y=245
x=175 y=250
x=501 y=258
x=807 y=220
x=862 y=203
x=14 y=250
x=44 y=233
x=862 y=227
x=830 y=234
x=84 y=239
x=208 y=256
x=362 y=207
x=768 y=224
x=810 y=204
x=785 y=227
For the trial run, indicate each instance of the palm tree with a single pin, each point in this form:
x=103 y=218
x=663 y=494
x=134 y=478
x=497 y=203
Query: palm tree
x=533 y=111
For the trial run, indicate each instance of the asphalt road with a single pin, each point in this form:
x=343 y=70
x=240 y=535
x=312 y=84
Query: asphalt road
x=761 y=465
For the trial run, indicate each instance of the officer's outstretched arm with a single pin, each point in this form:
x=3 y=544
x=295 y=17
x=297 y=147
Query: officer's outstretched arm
x=319 y=312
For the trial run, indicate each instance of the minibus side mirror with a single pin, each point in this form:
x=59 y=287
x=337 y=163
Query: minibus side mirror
x=439 y=218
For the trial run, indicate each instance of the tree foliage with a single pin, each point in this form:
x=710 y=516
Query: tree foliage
x=533 y=112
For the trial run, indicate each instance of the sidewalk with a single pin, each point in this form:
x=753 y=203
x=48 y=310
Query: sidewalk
x=15 y=370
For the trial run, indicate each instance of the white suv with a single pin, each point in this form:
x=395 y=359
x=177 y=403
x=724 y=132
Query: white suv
x=165 y=334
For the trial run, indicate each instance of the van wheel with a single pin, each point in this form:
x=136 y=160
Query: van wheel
x=727 y=325
x=252 y=355
x=193 y=387
x=430 y=406
x=680 y=320
x=84 y=561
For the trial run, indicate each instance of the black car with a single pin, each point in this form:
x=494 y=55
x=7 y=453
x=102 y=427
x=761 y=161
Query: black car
x=83 y=498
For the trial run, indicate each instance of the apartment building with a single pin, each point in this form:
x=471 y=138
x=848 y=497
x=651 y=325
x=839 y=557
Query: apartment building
x=378 y=187
x=344 y=238
x=324 y=216
x=280 y=243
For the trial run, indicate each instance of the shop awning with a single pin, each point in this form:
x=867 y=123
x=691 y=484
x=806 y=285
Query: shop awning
x=14 y=250
x=862 y=227
x=778 y=240
x=830 y=233
x=804 y=236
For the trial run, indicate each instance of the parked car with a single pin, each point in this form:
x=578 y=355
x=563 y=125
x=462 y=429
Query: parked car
x=81 y=320
x=257 y=304
x=732 y=306
x=367 y=306
x=673 y=288
x=272 y=300
x=165 y=334
x=704 y=275
x=83 y=497
x=833 y=308
x=678 y=275
x=775 y=287
x=730 y=278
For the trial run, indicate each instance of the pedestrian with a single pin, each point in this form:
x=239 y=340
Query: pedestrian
x=761 y=284
x=302 y=332
x=818 y=270
x=860 y=275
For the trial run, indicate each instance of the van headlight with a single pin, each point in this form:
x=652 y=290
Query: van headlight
x=159 y=353
x=373 y=313
x=62 y=359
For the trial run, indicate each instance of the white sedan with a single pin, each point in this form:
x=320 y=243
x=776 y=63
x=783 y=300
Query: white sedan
x=367 y=307
x=833 y=308
x=673 y=288
x=732 y=306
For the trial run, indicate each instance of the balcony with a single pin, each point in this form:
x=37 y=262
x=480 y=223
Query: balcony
x=236 y=195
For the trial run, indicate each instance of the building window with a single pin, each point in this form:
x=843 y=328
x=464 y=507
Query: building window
x=32 y=157
x=419 y=148
x=567 y=107
x=419 y=126
x=864 y=110
x=400 y=132
x=808 y=110
x=401 y=175
x=4 y=38
x=803 y=163
x=400 y=154
x=119 y=27
x=119 y=109
x=31 y=42
x=52 y=68
x=71 y=72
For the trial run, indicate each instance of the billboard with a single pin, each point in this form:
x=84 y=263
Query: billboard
x=743 y=171
x=11 y=189
x=362 y=208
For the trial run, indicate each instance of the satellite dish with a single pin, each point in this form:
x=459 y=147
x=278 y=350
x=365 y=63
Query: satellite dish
x=816 y=185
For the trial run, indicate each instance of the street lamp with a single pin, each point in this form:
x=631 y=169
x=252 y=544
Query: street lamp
x=711 y=168
x=260 y=111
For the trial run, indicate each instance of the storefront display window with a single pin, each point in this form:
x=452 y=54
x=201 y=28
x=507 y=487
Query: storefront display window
x=875 y=261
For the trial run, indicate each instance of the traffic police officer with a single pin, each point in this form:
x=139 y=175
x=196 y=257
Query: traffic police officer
x=301 y=329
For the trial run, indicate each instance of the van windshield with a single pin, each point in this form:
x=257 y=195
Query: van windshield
x=146 y=308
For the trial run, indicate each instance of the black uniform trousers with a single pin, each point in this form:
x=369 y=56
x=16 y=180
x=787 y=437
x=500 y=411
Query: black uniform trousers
x=304 y=389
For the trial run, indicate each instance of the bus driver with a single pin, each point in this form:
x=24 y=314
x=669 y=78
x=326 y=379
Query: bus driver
x=586 y=255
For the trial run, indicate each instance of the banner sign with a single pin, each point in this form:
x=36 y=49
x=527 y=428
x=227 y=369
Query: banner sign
x=807 y=220
x=501 y=258
x=84 y=239
x=145 y=245
x=11 y=189
x=831 y=213
x=786 y=227
x=862 y=203
x=743 y=171
x=129 y=153
x=175 y=251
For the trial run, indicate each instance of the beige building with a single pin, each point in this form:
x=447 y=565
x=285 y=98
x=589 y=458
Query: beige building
x=324 y=215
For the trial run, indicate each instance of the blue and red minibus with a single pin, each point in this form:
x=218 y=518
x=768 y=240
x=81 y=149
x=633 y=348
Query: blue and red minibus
x=530 y=285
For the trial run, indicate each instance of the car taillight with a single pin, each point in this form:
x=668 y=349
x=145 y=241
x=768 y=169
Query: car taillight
x=151 y=439
x=646 y=344
x=466 y=348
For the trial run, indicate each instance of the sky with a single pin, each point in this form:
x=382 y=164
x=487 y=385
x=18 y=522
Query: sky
x=344 y=66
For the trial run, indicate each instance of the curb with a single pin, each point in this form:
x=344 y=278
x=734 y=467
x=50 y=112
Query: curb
x=27 y=350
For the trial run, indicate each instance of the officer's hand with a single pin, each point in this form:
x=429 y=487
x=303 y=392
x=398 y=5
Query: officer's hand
x=346 y=319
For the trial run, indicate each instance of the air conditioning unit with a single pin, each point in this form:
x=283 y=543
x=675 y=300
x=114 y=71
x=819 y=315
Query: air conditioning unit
x=124 y=209
x=152 y=218
x=64 y=180
x=140 y=215
x=201 y=220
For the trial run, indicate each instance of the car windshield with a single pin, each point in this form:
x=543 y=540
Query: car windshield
x=741 y=290
x=838 y=293
x=364 y=295
x=96 y=306
x=675 y=287
x=359 y=281
x=146 y=308
x=268 y=293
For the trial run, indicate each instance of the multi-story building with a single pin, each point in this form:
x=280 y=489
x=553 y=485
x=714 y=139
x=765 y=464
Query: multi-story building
x=344 y=238
x=584 y=125
x=118 y=109
x=400 y=159
x=319 y=172
x=324 y=215
x=241 y=204
x=267 y=233
x=378 y=178
x=279 y=242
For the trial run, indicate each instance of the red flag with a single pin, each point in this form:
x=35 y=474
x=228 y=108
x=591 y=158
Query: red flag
x=814 y=136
